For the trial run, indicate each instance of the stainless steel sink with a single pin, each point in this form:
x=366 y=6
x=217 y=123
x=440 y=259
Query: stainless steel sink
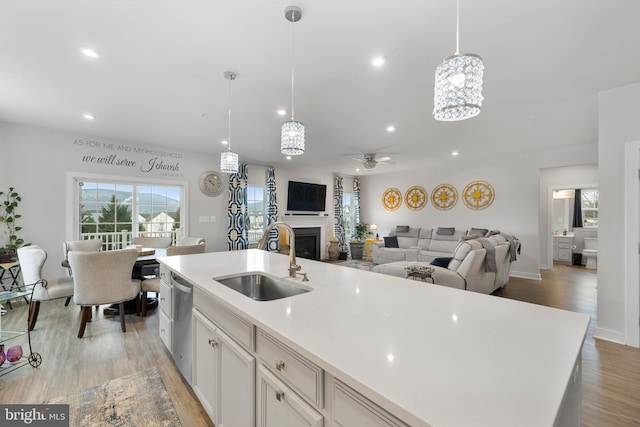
x=262 y=287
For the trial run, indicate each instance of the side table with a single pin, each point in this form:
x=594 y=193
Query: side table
x=14 y=271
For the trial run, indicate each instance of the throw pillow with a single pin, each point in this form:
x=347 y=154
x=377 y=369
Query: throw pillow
x=402 y=228
x=477 y=232
x=391 y=242
x=446 y=231
x=441 y=262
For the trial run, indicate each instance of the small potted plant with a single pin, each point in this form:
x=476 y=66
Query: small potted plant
x=358 y=237
x=8 y=217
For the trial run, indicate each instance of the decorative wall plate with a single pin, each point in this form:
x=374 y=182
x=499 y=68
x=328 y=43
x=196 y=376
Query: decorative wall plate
x=444 y=197
x=478 y=195
x=415 y=198
x=391 y=199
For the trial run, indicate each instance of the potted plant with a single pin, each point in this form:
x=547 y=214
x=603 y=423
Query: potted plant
x=360 y=233
x=8 y=217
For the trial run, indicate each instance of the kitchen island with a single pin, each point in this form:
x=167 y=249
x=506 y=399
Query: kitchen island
x=365 y=347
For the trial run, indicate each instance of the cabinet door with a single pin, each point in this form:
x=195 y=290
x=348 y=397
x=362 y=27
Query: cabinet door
x=351 y=409
x=278 y=405
x=205 y=364
x=237 y=383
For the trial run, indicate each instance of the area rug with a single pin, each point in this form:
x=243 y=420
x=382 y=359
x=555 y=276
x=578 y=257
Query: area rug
x=355 y=263
x=139 y=399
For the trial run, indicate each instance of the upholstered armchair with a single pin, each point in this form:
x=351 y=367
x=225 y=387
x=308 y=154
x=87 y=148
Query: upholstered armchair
x=152 y=242
x=188 y=241
x=32 y=259
x=92 y=245
x=103 y=278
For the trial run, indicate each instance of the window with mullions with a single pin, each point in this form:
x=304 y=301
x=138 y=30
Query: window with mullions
x=117 y=211
x=590 y=207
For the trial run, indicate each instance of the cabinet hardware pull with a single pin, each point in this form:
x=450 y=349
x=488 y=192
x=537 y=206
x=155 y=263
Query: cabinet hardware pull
x=279 y=365
x=212 y=342
x=279 y=395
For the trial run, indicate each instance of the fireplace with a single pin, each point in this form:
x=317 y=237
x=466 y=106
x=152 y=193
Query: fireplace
x=308 y=242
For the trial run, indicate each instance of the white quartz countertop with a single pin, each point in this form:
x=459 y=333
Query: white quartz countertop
x=432 y=355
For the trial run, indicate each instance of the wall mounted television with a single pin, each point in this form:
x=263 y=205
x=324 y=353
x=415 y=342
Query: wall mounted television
x=306 y=197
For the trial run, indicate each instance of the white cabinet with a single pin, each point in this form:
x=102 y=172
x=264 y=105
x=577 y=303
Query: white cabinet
x=166 y=316
x=223 y=375
x=279 y=406
x=351 y=409
x=562 y=249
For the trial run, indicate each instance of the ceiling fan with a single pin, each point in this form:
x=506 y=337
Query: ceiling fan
x=371 y=160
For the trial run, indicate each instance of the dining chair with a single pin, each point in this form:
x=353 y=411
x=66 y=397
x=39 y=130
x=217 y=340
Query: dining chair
x=32 y=259
x=91 y=245
x=153 y=284
x=152 y=242
x=103 y=278
x=188 y=241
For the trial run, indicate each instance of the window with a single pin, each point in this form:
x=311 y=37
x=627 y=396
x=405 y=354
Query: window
x=117 y=211
x=590 y=207
x=256 y=210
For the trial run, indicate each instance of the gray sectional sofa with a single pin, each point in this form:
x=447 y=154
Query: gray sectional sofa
x=421 y=244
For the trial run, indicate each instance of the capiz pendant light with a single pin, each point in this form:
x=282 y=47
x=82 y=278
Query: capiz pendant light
x=229 y=159
x=292 y=135
x=458 y=85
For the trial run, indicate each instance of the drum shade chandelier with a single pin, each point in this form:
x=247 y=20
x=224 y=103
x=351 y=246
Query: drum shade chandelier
x=229 y=159
x=458 y=84
x=292 y=135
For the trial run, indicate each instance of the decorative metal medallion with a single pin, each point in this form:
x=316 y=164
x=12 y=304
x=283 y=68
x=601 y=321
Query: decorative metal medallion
x=415 y=198
x=444 y=197
x=478 y=195
x=392 y=199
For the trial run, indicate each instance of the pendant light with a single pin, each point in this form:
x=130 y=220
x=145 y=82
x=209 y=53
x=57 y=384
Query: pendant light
x=229 y=159
x=292 y=135
x=458 y=84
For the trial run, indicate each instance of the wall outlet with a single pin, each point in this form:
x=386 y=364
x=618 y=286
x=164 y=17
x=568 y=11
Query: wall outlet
x=213 y=218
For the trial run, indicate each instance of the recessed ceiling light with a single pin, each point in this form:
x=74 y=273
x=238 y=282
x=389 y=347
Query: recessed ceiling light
x=90 y=52
x=224 y=142
x=288 y=157
x=454 y=153
x=357 y=169
x=89 y=116
x=282 y=112
x=391 y=128
x=378 y=61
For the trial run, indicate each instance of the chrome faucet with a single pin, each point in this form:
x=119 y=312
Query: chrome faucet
x=293 y=267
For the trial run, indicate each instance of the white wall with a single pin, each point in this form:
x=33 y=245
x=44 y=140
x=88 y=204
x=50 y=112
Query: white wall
x=516 y=182
x=617 y=274
x=36 y=161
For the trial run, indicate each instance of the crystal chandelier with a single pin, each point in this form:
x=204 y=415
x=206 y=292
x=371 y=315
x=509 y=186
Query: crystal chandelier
x=292 y=135
x=458 y=84
x=229 y=159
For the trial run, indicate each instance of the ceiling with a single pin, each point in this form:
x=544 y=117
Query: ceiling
x=160 y=81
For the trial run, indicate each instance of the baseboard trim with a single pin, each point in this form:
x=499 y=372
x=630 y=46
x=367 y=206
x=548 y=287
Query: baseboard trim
x=610 y=335
x=523 y=275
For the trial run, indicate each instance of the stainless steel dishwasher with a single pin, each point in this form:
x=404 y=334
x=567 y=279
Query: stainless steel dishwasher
x=182 y=296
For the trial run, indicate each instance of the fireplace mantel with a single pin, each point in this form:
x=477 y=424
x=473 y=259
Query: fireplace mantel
x=304 y=221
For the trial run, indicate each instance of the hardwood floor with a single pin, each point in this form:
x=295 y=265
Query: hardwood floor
x=610 y=372
x=610 y=376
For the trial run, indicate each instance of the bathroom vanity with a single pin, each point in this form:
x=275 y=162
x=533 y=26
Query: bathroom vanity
x=355 y=348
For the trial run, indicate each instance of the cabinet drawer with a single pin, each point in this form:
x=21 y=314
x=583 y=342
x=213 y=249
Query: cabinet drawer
x=165 y=330
x=300 y=373
x=351 y=409
x=235 y=326
x=165 y=299
x=164 y=273
x=563 y=245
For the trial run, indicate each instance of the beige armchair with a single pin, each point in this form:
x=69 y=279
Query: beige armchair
x=32 y=259
x=103 y=278
x=188 y=241
x=92 y=245
x=153 y=284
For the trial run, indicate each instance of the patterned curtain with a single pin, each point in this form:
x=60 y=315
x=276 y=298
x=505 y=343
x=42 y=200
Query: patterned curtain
x=273 y=242
x=237 y=219
x=338 y=226
x=356 y=199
